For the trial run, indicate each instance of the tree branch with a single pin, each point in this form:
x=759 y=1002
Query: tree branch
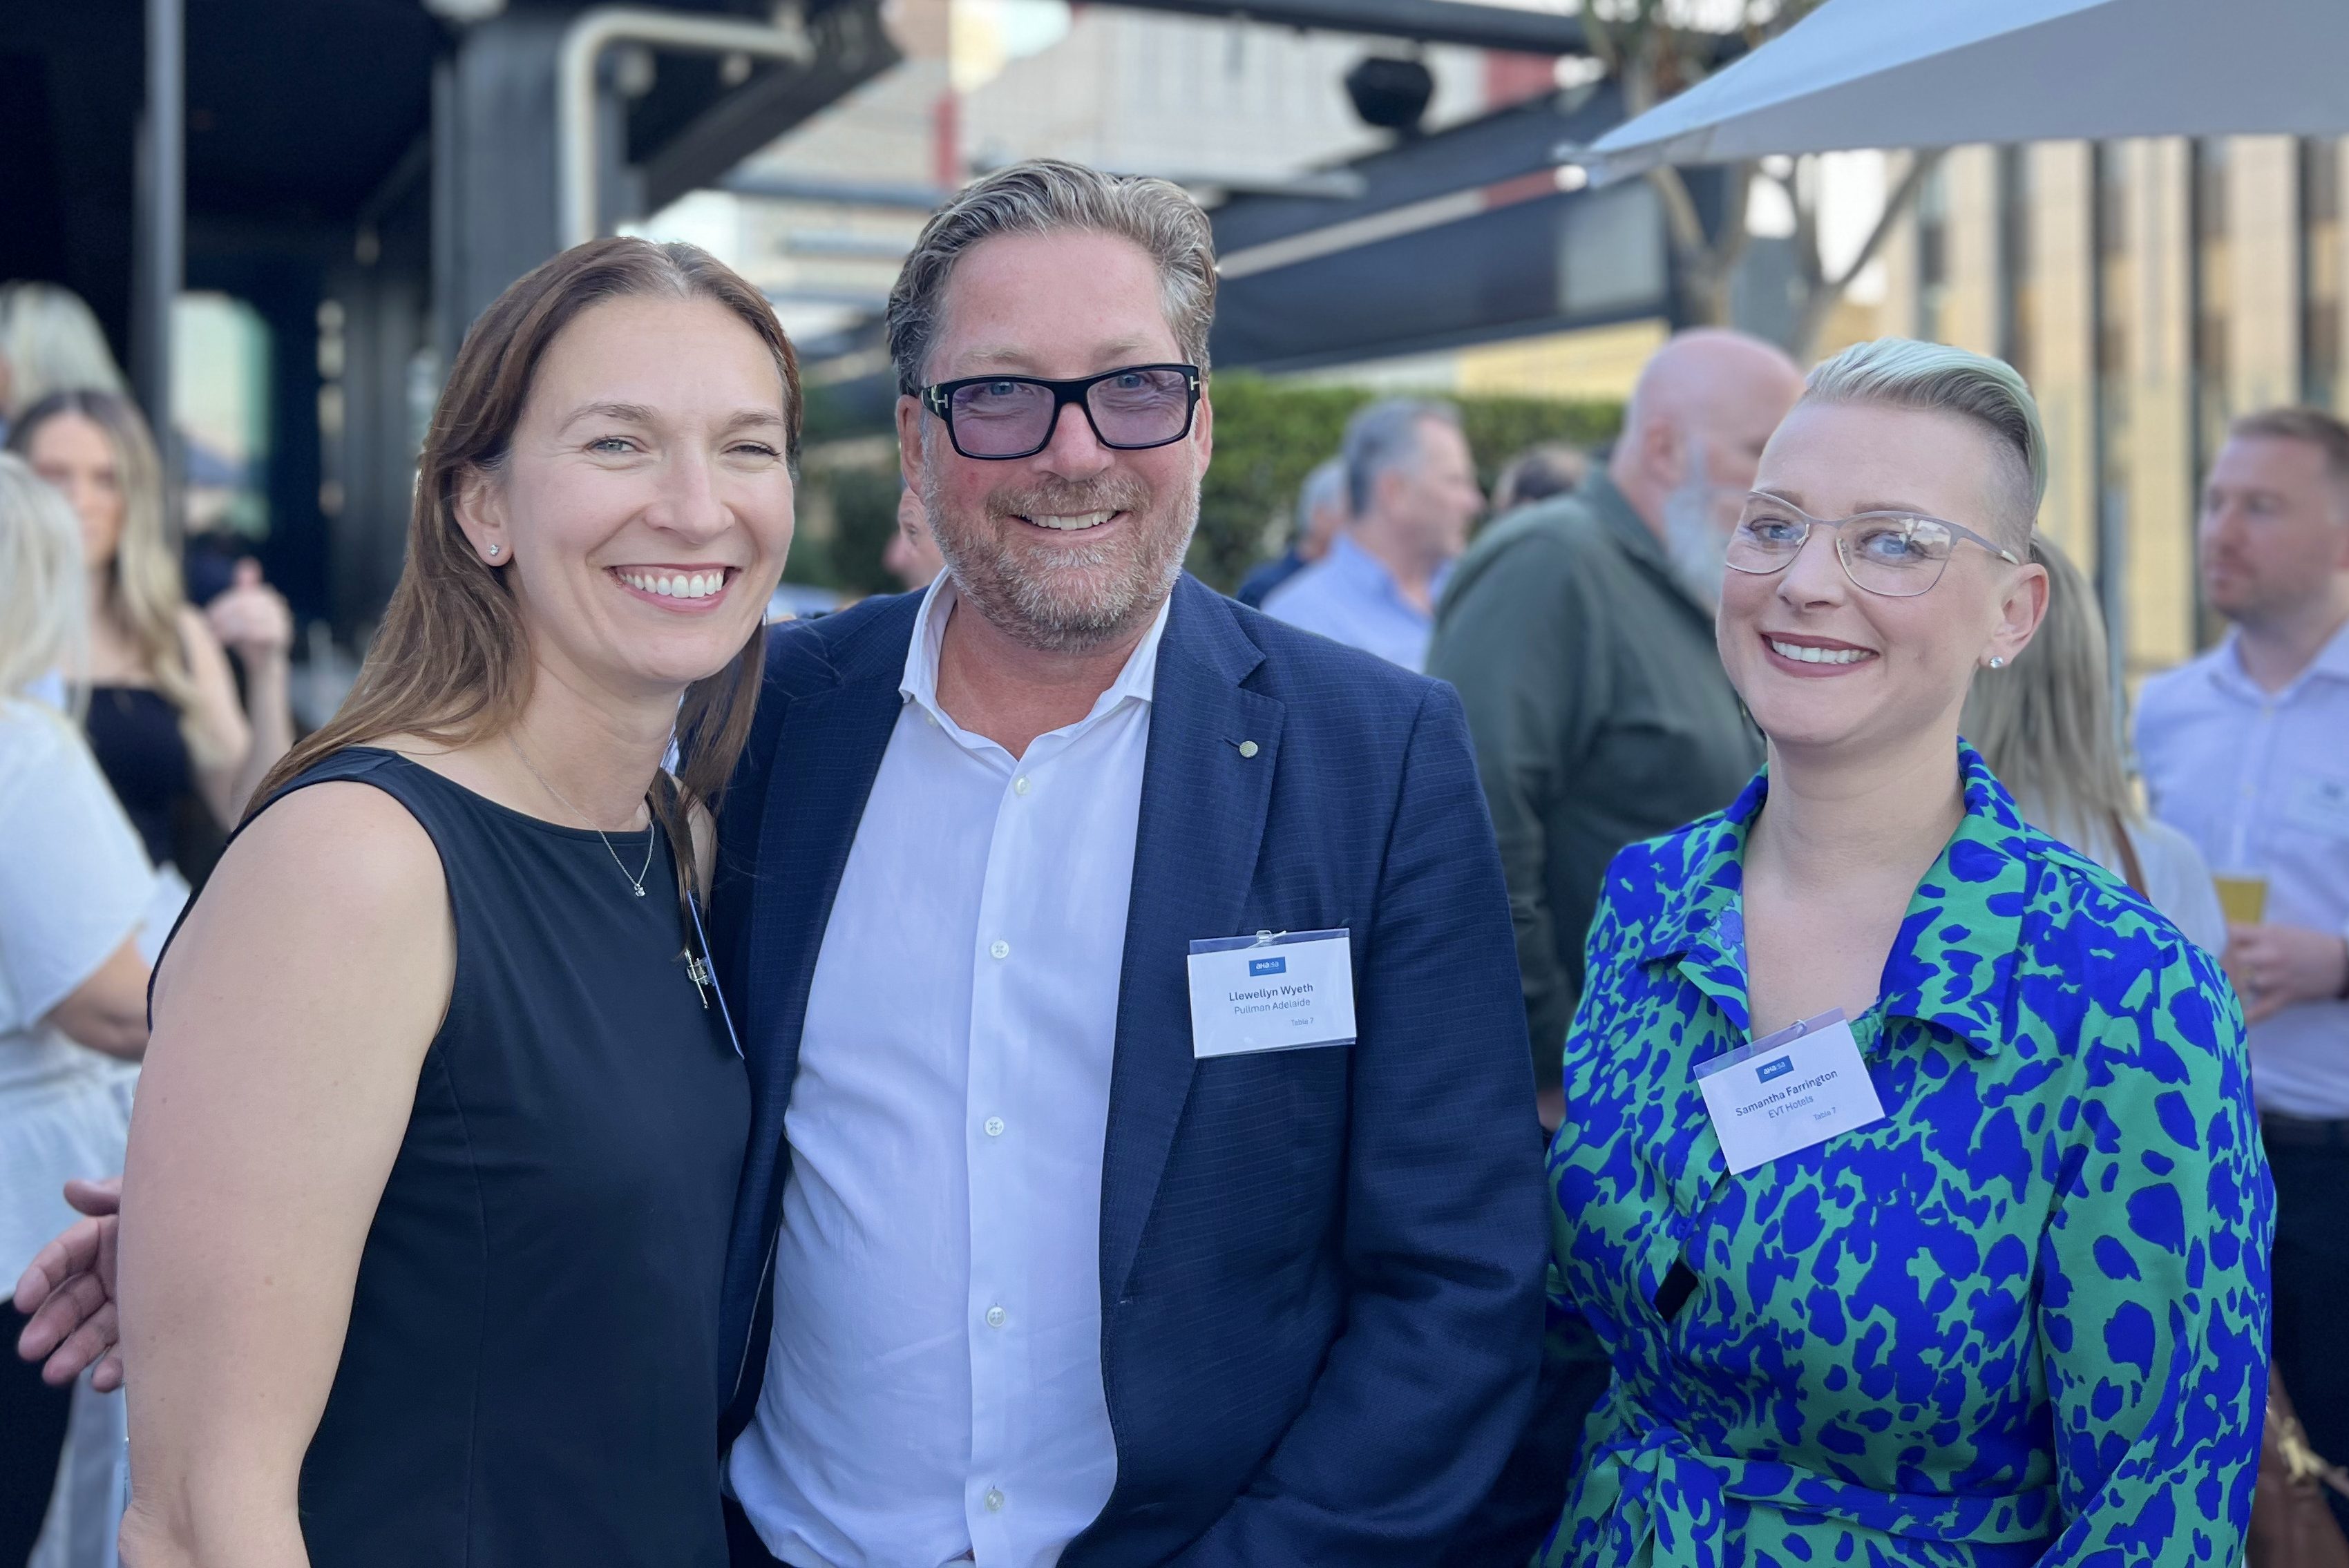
x=1823 y=299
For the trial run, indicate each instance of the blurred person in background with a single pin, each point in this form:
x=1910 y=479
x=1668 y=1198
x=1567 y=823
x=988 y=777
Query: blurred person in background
x=1581 y=639
x=50 y=342
x=1320 y=513
x=2045 y=725
x=1411 y=494
x=73 y=888
x=1994 y=1293
x=1579 y=634
x=1538 y=473
x=2246 y=750
x=912 y=556
x=165 y=718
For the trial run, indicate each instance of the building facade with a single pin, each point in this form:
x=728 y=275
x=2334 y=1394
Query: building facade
x=2151 y=290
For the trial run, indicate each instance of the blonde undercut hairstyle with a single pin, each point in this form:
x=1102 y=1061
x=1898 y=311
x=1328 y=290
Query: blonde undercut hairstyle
x=1049 y=196
x=42 y=625
x=1935 y=378
x=143 y=591
x=2045 y=723
x=51 y=343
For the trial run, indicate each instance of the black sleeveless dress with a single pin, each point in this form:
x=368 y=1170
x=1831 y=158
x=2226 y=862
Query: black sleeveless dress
x=134 y=733
x=533 y=1375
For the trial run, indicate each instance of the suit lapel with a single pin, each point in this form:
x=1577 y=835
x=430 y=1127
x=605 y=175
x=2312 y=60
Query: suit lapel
x=828 y=753
x=1202 y=817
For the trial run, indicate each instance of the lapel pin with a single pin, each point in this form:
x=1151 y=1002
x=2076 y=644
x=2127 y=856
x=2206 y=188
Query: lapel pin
x=1248 y=749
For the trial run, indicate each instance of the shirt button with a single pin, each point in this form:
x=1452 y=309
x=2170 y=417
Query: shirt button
x=994 y=1499
x=1019 y=786
x=995 y=1126
x=1000 y=950
x=996 y=1316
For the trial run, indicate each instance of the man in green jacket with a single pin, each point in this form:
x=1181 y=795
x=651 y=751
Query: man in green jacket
x=1579 y=634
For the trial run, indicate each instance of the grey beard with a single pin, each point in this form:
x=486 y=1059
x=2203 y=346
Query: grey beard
x=1046 y=610
x=1698 y=549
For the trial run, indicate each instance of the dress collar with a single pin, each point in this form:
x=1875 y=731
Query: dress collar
x=1952 y=963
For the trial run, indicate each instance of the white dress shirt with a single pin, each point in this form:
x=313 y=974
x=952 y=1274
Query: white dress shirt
x=2259 y=782
x=933 y=1381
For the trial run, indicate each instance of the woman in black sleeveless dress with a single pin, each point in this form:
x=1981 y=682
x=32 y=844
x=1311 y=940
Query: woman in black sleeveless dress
x=182 y=750
x=431 y=1180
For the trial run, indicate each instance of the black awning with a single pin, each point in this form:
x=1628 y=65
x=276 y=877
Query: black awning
x=1467 y=235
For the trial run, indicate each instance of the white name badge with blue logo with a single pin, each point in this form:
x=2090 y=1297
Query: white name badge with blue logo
x=1798 y=1087
x=1275 y=991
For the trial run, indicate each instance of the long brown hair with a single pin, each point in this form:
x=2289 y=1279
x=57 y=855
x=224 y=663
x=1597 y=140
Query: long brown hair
x=144 y=594
x=451 y=661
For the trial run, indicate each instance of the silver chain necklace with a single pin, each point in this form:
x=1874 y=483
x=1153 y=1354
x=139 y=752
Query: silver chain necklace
x=636 y=882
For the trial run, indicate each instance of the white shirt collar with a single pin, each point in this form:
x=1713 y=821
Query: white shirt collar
x=2227 y=667
x=1138 y=680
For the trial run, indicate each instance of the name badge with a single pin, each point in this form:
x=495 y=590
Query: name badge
x=1275 y=991
x=1798 y=1087
x=2321 y=805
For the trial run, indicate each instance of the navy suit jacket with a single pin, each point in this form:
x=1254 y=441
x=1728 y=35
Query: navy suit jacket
x=1321 y=1269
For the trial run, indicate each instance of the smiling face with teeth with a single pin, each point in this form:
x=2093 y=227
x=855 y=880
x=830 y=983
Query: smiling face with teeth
x=1824 y=666
x=1076 y=547
x=644 y=505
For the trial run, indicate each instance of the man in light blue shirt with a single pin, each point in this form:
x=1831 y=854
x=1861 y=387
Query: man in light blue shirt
x=2246 y=751
x=1412 y=487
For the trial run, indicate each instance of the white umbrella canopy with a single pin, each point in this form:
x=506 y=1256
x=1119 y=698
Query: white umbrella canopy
x=1942 y=73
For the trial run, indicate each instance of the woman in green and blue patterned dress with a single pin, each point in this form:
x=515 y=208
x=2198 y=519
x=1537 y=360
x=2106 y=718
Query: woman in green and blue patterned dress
x=2022 y=1315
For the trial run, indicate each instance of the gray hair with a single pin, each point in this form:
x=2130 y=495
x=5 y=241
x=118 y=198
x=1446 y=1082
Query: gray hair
x=51 y=343
x=1049 y=196
x=1935 y=378
x=42 y=624
x=1538 y=472
x=2044 y=724
x=1325 y=484
x=1386 y=435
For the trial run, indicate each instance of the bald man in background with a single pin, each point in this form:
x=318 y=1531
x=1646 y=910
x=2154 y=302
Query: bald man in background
x=1579 y=634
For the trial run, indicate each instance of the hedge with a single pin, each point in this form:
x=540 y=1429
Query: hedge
x=1270 y=434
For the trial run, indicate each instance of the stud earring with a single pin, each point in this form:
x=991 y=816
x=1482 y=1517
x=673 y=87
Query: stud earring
x=1997 y=662
x=493 y=552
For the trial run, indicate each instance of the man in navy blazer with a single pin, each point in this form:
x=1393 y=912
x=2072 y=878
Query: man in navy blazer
x=1032 y=1261
x=1316 y=1271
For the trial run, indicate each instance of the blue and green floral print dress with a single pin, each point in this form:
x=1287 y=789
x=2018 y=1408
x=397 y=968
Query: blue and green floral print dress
x=2022 y=1319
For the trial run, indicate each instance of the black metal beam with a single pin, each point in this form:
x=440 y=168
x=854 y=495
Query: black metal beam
x=1425 y=21
x=850 y=50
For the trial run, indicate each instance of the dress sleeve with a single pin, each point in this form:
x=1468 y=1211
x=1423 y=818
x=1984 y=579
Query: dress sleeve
x=73 y=880
x=2153 y=1321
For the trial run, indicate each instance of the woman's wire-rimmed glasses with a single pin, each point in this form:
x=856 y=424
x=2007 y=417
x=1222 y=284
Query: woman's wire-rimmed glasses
x=1893 y=554
x=1131 y=409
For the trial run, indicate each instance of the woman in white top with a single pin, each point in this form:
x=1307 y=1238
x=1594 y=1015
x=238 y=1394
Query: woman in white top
x=73 y=887
x=2045 y=726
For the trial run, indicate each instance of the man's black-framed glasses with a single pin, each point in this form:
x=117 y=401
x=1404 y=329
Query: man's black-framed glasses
x=1893 y=554
x=1131 y=409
